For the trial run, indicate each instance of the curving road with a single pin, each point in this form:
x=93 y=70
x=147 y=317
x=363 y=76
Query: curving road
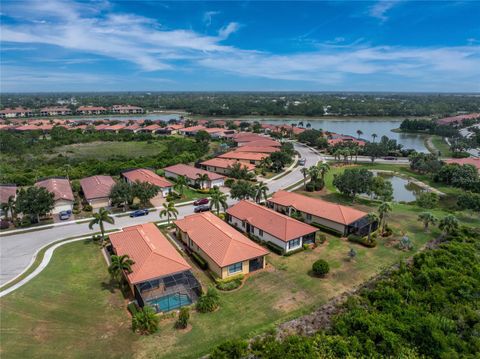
x=18 y=250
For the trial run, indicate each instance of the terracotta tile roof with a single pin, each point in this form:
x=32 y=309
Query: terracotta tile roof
x=191 y=172
x=194 y=128
x=317 y=207
x=153 y=254
x=97 y=186
x=175 y=127
x=221 y=242
x=133 y=127
x=60 y=187
x=117 y=127
x=261 y=149
x=457 y=119
x=225 y=163
x=213 y=130
x=6 y=191
x=249 y=156
x=153 y=127
x=102 y=127
x=465 y=161
x=146 y=175
x=261 y=143
x=278 y=225
x=28 y=128
x=248 y=137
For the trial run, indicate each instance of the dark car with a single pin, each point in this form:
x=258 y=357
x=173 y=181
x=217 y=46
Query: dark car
x=203 y=208
x=302 y=161
x=200 y=201
x=139 y=213
x=64 y=215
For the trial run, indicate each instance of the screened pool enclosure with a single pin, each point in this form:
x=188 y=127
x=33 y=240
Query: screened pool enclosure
x=169 y=292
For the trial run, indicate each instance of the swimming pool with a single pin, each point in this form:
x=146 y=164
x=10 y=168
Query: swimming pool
x=170 y=302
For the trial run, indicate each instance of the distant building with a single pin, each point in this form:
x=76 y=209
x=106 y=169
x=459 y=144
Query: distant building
x=126 y=109
x=465 y=161
x=55 y=111
x=16 y=112
x=253 y=158
x=223 y=165
x=91 y=110
x=191 y=173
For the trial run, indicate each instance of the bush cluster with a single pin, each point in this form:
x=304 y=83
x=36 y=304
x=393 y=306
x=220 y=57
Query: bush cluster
x=320 y=268
x=208 y=302
x=362 y=240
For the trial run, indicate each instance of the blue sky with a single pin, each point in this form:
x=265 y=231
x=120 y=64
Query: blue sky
x=397 y=45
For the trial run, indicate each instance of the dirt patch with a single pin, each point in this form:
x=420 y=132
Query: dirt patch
x=290 y=302
x=40 y=332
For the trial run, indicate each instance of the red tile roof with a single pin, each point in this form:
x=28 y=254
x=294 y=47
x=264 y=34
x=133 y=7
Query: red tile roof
x=60 y=187
x=248 y=156
x=153 y=254
x=317 y=207
x=117 y=127
x=465 y=161
x=261 y=143
x=248 y=137
x=6 y=191
x=221 y=242
x=192 y=172
x=194 y=128
x=225 y=163
x=97 y=186
x=153 y=127
x=278 y=225
x=261 y=149
x=146 y=175
x=457 y=119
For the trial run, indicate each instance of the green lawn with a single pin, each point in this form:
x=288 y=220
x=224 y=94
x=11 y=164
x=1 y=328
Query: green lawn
x=441 y=145
x=67 y=307
x=105 y=150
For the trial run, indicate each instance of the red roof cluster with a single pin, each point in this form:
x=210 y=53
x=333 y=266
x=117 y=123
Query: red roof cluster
x=60 y=187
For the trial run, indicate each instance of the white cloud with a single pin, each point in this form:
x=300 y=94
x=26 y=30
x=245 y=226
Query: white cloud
x=380 y=9
x=208 y=15
x=226 y=31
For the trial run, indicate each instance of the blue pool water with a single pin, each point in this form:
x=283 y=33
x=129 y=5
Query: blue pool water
x=170 y=302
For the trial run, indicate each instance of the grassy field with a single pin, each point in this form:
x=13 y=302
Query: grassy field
x=440 y=145
x=68 y=310
x=105 y=150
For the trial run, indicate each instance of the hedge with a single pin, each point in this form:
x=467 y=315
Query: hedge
x=274 y=248
x=362 y=240
x=200 y=261
x=230 y=283
x=288 y=254
x=327 y=229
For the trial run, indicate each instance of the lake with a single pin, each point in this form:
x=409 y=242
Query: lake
x=403 y=189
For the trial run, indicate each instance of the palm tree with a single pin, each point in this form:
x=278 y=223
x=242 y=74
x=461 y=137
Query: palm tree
x=181 y=184
x=374 y=136
x=9 y=207
x=145 y=320
x=99 y=218
x=383 y=211
x=372 y=218
x=323 y=167
x=359 y=133
x=169 y=210
x=119 y=265
x=265 y=163
x=261 y=190
x=202 y=178
x=427 y=218
x=314 y=172
x=448 y=224
x=218 y=199
x=304 y=172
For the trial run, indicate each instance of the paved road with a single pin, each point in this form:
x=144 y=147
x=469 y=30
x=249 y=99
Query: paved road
x=18 y=250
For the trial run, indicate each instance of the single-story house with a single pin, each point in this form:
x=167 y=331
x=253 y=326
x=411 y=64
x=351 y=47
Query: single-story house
x=134 y=128
x=475 y=162
x=253 y=158
x=259 y=149
x=146 y=175
x=223 y=165
x=96 y=190
x=151 y=129
x=192 y=173
x=62 y=191
x=191 y=131
x=260 y=143
x=7 y=191
x=331 y=216
x=115 y=128
x=227 y=251
x=270 y=226
x=170 y=129
x=160 y=277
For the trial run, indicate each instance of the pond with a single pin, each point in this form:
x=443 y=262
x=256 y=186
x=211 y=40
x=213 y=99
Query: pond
x=403 y=189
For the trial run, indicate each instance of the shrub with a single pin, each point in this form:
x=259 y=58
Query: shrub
x=87 y=208
x=427 y=200
x=387 y=232
x=200 y=261
x=362 y=240
x=230 y=283
x=318 y=184
x=229 y=182
x=274 y=248
x=310 y=187
x=183 y=317
x=4 y=224
x=209 y=301
x=320 y=268
x=132 y=308
x=321 y=238
x=232 y=349
x=145 y=321
x=288 y=254
x=134 y=206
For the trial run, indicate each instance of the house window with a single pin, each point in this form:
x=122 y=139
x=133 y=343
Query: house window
x=243 y=224
x=260 y=232
x=235 y=268
x=309 y=217
x=294 y=243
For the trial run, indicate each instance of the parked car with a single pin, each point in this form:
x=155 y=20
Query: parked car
x=302 y=161
x=200 y=201
x=64 y=215
x=202 y=208
x=390 y=158
x=139 y=213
